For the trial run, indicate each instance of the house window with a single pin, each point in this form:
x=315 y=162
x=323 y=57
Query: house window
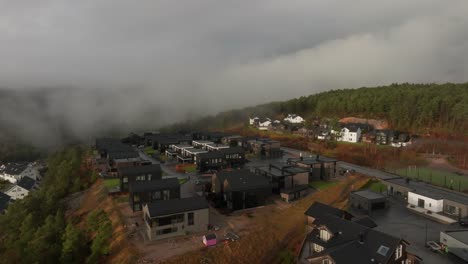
x=450 y=209
x=149 y=177
x=156 y=195
x=318 y=248
x=140 y=178
x=324 y=235
x=166 y=195
x=166 y=231
x=136 y=197
x=125 y=179
x=399 y=252
x=190 y=218
x=325 y=261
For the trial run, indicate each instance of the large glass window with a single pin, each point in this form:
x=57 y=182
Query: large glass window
x=166 y=231
x=166 y=195
x=140 y=178
x=168 y=220
x=324 y=235
x=156 y=195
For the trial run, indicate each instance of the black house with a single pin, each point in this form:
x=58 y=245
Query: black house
x=145 y=173
x=242 y=189
x=223 y=158
x=142 y=192
x=321 y=168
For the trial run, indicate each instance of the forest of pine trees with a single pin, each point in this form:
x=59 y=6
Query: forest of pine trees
x=413 y=107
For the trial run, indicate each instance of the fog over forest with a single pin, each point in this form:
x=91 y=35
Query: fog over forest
x=77 y=69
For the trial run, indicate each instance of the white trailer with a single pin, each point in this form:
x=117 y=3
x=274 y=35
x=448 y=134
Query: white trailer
x=456 y=242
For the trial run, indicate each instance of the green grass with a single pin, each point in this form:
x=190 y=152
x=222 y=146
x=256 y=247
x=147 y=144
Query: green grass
x=322 y=185
x=375 y=185
x=149 y=150
x=122 y=199
x=436 y=177
x=190 y=169
x=111 y=183
x=182 y=181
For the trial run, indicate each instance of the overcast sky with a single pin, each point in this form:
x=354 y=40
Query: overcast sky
x=193 y=57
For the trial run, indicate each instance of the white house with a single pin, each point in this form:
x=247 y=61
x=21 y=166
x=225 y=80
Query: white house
x=425 y=202
x=253 y=121
x=350 y=134
x=264 y=125
x=15 y=171
x=21 y=189
x=295 y=119
x=456 y=241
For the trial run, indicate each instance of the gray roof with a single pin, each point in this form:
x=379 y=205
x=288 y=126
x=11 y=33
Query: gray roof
x=313 y=159
x=345 y=243
x=167 y=207
x=154 y=169
x=431 y=191
x=319 y=209
x=369 y=194
x=14 y=168
x=460 y=235
x=26 y=183
x=123 y=154
x=4 y=201
x=148 y=186
x=241 y=180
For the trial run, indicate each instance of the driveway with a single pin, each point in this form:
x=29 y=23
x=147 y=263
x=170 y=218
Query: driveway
x=400 y=222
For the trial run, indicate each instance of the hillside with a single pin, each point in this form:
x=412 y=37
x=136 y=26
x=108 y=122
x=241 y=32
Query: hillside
x=421 y=108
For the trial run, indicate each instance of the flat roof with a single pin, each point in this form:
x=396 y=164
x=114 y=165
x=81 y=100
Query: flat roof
x=368 y=194
x=195 y=150
x=203 y=141
x=460 y=235
x=182 y=146
x=431 y=191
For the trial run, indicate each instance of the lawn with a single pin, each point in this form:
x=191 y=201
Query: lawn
x=182 y=181
x=111 y=183
x=149 y=151
x=322 y=185
x=375 y=185
x=436 y=177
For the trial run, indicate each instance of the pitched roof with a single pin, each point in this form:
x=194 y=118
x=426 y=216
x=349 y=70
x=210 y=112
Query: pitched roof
x=319 y=209
x=148 y=186
x=26 y=183
x=13 y=168
x=4 y=200
x=154 y=169
x=167 y=207
x=369 y=194
x=351 y=240
x=123 y=154
x=240 y=180
x=365 y=221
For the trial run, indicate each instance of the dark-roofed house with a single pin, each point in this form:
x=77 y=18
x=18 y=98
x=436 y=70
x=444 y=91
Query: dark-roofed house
x=225 y=158
x=291 y=182
x=14 y=171
x=334 y=239
x=320 y=167
x=140 y=173
x=4 y=202
x=169 y=218
x=265 y=147
x=317 y=210
x=142 y=192
x=367 y=200
x=241 y=188
x=21 y=189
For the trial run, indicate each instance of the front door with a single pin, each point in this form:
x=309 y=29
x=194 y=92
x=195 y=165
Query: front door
x=421 y=203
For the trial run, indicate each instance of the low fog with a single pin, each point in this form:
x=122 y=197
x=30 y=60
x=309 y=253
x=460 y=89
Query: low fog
x=77 y=69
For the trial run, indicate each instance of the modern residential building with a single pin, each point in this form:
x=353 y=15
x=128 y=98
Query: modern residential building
x=241 y=189
x=367 y=200
x=429 y=197
x=143 y=192
x=265 y=147
x=177 y=217
x=145 y=173
x=320 y=167
x=291 y=182
x=224 y=158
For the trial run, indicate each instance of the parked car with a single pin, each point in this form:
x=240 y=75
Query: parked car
x=434 y=246
x=463 y=221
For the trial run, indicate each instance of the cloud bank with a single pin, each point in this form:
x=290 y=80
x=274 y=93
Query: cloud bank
x=124 y=64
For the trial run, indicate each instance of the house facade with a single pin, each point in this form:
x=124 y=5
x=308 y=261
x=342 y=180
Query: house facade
x=143 y=192
x=21 y=189
x=294 y=119
x=224 y=158
x=350 y=134
x=145 y=173
x=15 y=171
x=320 y=167
x=177 y=217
